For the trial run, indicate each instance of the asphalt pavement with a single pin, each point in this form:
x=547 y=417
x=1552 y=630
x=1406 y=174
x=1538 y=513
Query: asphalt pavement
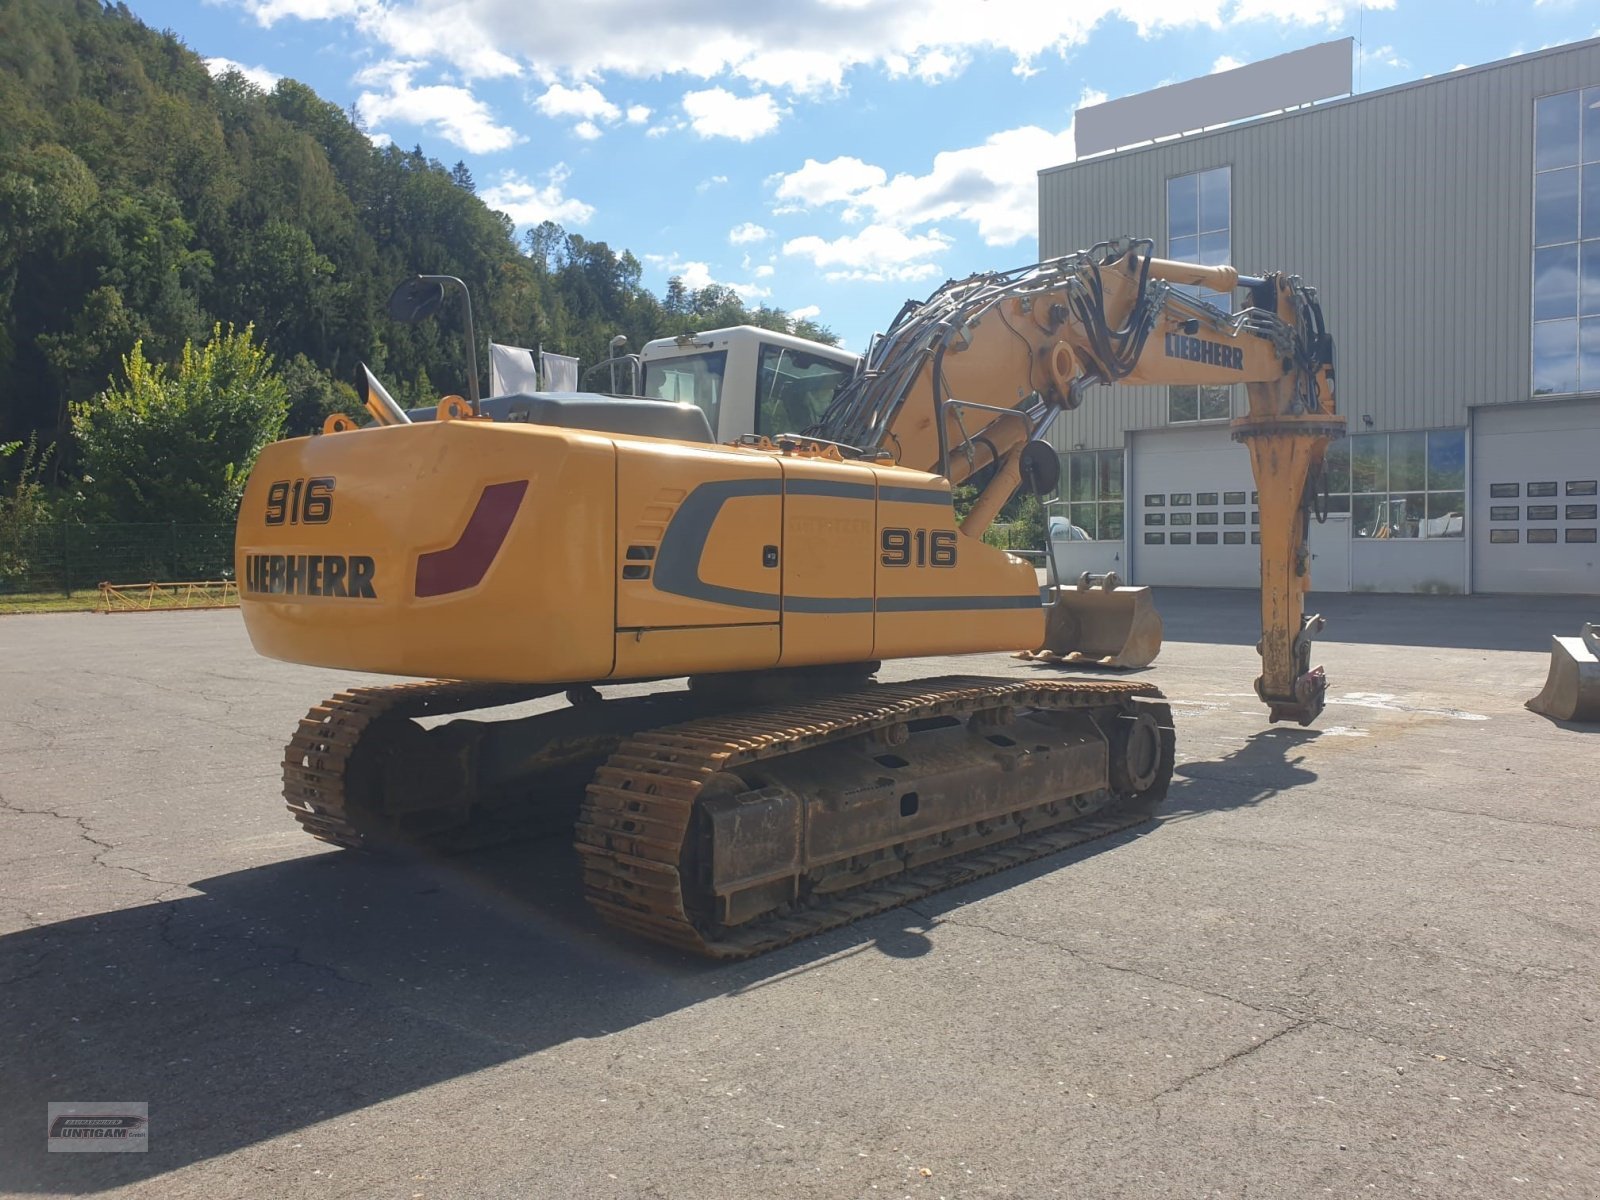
x=1354 y=960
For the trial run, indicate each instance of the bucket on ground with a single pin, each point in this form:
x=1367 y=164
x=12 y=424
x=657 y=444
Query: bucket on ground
x=1098 y=622
x=1572 y=690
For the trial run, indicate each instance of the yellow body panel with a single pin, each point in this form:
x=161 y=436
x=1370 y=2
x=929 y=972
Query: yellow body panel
x=830 y=532
x=401 y=492
x=986 y=600
x=664 y=653
x=742 y=493
x=520 y=552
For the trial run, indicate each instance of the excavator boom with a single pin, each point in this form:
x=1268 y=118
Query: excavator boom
x=963 y=382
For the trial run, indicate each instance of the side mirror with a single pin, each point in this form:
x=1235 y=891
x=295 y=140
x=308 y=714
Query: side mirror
x=1041 y=468
x=416 y=299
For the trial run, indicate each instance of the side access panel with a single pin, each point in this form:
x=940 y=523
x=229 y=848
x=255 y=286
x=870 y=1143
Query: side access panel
x=829 y=554
x=939 y=591
x=699 y=547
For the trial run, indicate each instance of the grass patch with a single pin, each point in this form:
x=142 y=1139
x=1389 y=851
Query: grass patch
x=36 y=602
x=87 y=601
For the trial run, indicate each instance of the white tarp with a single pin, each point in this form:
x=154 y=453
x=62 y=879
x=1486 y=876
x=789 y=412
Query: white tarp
x=560 y=372
x=511 y=370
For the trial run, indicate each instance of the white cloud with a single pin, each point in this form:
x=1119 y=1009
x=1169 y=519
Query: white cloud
x=454 y=112
x=717 y=112
x=1226 y=63
x=749 y=231
x=803 y=46
x=584 y=102
x=528 y=203
x=819 y=183
x=697 y=275
x=809 y=312
x=430 y=31
x=705 y=185
x=993 y=185
x=638 y=114
x=937 y=66
x=260 y=76
x=1383 y=56
x=876 y=254
x=270 y=12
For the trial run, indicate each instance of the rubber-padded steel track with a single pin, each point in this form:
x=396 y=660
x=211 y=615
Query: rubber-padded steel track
x=636 y=816
x=317 y=759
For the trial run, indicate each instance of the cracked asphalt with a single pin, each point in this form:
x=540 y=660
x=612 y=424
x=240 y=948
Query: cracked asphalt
x=1359 y=959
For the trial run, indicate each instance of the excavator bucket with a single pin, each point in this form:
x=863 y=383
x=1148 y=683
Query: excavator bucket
x=1100 y=623
x=1572 y=691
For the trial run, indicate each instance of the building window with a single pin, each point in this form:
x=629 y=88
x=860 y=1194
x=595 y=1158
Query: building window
x=1400 y=485
x=1200 y=230
x=1566 y=243
x=1091 y=486
x=1209 y=402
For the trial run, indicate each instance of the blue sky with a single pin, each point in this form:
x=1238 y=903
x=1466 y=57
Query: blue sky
x=829 y=157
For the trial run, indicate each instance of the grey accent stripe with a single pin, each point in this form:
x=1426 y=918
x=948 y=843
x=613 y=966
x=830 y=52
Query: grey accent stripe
x=827 y=604
x=830 y=487
x=677 y=568
x=903 y=604
x=953 y=603
x=678 y=564
x=907 y=495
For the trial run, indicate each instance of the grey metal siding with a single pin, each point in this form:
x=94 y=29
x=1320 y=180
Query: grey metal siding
x=1409 y=210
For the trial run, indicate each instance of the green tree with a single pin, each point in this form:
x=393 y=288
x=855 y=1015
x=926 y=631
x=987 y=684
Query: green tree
x=178 y=446
x=22 y=505
x=314 y=396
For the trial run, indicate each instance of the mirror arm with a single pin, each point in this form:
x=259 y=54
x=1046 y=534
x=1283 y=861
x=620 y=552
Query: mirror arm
x=472 y=337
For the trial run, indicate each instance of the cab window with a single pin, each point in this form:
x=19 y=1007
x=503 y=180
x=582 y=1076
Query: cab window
x=794 y=389
x=691 y=379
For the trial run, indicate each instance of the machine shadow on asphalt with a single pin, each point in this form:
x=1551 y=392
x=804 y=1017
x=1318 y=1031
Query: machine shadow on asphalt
x=228 y=1010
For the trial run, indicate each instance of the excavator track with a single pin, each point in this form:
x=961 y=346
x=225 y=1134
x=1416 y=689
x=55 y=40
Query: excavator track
x=637 y=826
x=317 y=778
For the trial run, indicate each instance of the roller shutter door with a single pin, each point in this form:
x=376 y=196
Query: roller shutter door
x=1535 y=475
x=1193 y=523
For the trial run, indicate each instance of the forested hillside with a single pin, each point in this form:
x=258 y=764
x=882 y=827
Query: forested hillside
x=143 y=201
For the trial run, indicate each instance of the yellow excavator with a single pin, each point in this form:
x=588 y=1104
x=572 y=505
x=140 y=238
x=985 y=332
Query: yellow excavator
x=552 y=544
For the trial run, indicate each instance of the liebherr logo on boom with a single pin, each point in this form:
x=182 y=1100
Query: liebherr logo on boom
x=1212 y=354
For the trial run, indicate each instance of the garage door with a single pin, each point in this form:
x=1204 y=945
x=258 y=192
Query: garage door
x=1194 y=521
x=1535 y=473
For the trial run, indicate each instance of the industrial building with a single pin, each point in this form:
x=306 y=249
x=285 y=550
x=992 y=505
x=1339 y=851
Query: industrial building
x=1452 y=229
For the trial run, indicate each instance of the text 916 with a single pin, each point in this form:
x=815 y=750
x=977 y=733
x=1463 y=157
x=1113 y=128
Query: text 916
x=918 y=548
x=300 y=501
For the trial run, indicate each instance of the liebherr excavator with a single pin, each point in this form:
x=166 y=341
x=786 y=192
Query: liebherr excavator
x=578 y=541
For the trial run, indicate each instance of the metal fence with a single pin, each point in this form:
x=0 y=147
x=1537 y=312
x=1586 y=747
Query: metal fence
x=60 y=559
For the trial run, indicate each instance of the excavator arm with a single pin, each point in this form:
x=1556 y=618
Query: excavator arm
x=969 y=378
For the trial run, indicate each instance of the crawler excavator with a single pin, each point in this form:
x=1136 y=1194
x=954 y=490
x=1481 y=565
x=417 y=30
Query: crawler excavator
x=560 y=543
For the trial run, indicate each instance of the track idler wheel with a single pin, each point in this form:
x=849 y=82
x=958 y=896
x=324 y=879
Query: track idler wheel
x=1135 y=753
